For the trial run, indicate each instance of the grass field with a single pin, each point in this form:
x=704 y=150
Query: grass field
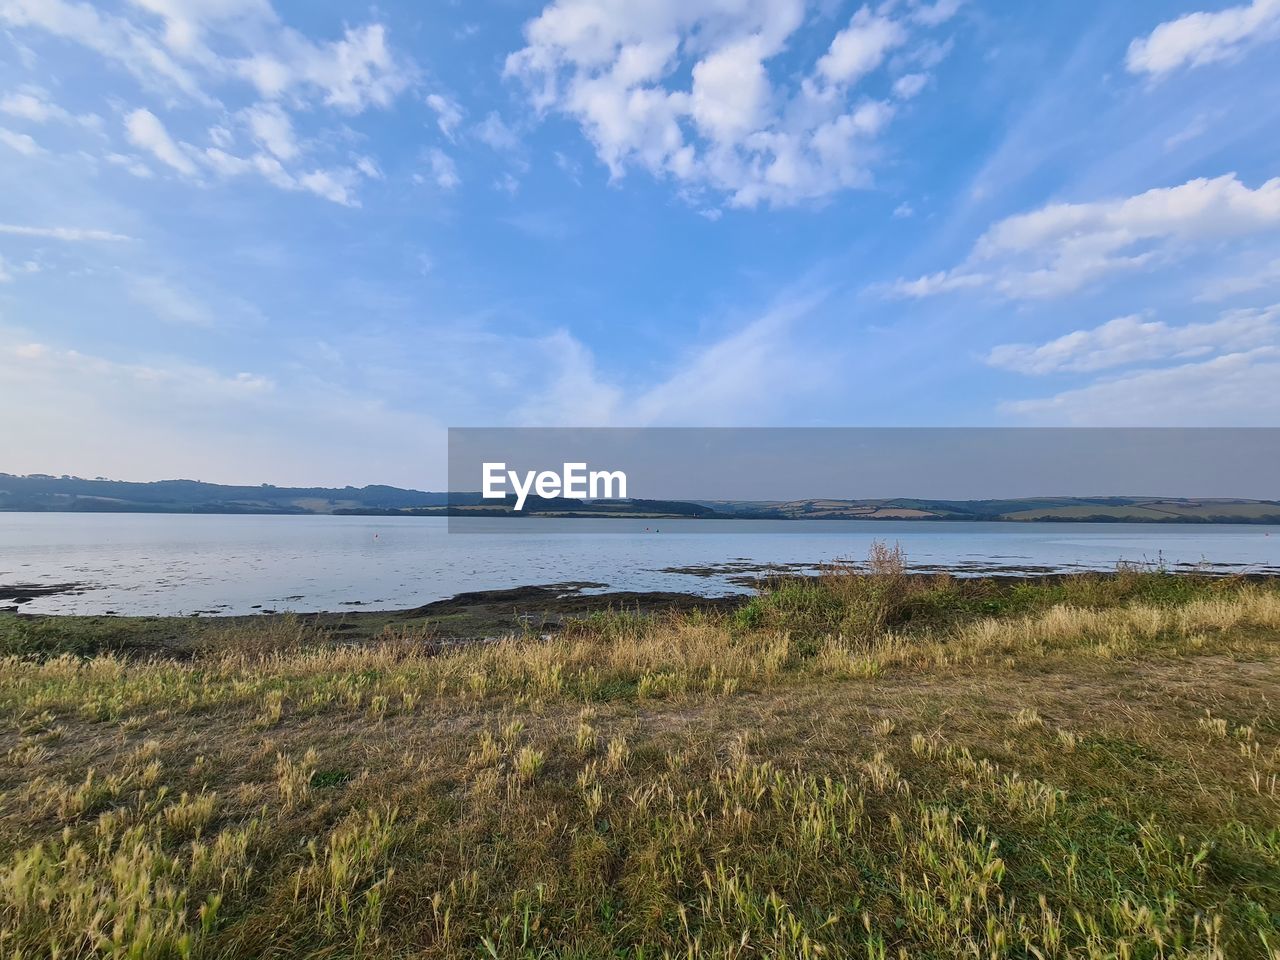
x=862 y=765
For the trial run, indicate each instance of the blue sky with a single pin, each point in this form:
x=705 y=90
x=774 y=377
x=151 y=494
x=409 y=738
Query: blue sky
x=244 y=241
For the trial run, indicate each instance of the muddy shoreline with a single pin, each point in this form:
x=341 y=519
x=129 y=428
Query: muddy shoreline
x=477 y=616
x=522 y=605
x=540 y=609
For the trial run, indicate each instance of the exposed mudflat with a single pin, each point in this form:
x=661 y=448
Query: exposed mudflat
x=465 y=618
x=539 y=609
x=13 y=595
x=749 y=573
x=25 y=592
x=555 y=598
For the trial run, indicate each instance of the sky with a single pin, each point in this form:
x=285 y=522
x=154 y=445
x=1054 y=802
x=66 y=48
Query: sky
x=245 y=241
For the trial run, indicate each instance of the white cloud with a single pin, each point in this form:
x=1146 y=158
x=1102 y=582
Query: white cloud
x=731 y=91
x=935 y=283
x=169 y=302
x=507 y=183
x=221 y=137
x=199 y=41
x=352 y=74
x=1219 y=372
x=497 y=134
x=191 y=50
x=335 y=185
x=184 y=380
x=861 y=47
x=146 y=132
x=29 y=107
x=1062 y=247
x=932 y=14
x=130 y=163
x=743 y=126
x=20 y=142
x=113 y=37
x=60 y=233
x=1262 y=277
x=8 y=269
x=187 y=22
x=1133 y=339
x=910 y=85
x=1237 y=389
x=229 y=165
x=443 y=170
x=1197 y=39
x=1198 y=208
x=33 y=104
x=271 y=127
x=448 y=113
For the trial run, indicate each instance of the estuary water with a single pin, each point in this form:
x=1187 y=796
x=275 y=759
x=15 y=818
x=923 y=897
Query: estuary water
x=184 y=564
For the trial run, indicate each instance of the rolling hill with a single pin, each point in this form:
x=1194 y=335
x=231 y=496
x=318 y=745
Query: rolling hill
x=42 y=493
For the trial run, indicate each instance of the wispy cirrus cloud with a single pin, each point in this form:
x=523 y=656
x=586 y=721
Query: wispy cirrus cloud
x=73 y=234
x=1236 y=389
x=1135 y=339
x=1150 y=372
x=169 y=302
x=743 y=377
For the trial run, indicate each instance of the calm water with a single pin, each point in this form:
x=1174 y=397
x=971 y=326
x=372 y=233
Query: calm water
x=139 y=563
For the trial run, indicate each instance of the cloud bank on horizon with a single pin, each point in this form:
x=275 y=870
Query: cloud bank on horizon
x=249 y=240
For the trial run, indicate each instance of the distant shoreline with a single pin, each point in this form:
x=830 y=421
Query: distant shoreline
x=479 y=612
x=41 y=493
x=468 y=616
x=1266 y=519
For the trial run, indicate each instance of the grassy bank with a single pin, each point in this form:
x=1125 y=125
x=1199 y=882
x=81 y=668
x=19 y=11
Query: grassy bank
x=866 y=764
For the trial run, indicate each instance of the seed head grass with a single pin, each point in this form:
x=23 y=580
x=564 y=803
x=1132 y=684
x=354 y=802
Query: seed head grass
x=862 y=764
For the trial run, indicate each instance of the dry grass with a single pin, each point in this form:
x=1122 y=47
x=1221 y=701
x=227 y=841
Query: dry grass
x=871 y=765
